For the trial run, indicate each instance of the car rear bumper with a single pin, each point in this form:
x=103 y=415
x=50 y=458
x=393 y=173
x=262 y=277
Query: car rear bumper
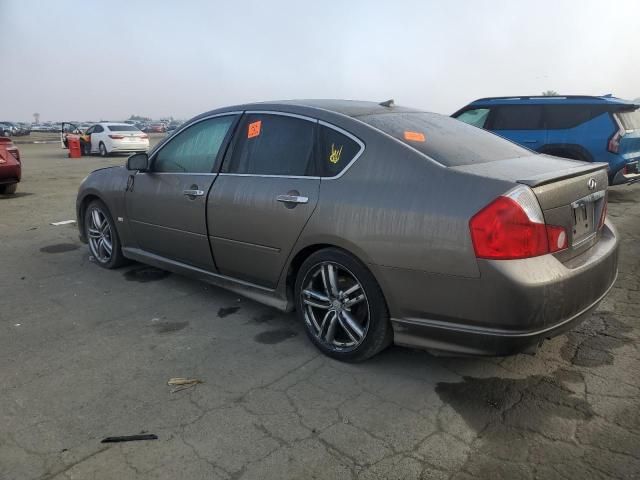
x=513 y=306
x=10 y=174
x=129 y=147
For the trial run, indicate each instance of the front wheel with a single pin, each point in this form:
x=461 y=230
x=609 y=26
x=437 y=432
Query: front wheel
x=101 y=233
x=103 y=150
x=342 y=307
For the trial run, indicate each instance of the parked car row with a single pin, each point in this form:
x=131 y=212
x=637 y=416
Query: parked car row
x=376 y=223
x=14 y=129
x=105 y=138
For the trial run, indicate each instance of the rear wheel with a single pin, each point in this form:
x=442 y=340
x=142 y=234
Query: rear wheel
x=341 y=306
x=103 y=150
x=8 y=189
x=101 y=233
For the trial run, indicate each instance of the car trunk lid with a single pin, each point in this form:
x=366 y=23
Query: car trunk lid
x=571 y=194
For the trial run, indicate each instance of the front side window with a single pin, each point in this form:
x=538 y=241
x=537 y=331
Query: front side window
x=195 y=149
x=271 y=144
x=336 y=151
x=476 y=117
x=98 y=129
x=517 y=117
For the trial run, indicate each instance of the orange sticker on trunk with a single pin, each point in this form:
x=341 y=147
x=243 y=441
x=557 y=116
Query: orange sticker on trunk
x=414 y=136
x=254 y=129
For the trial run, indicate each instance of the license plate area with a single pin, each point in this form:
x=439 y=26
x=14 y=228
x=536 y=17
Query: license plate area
x=584 y=217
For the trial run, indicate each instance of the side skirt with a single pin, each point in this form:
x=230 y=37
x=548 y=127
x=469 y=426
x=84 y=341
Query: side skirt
x=246 y=289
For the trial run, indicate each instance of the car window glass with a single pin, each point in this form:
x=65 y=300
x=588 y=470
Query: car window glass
x=194 y=150
x=517 y=117
x=90 y=130
x=630 y=120
x=567 y=116
x=445 y=139
x=273 y=145
x=336 y=150
x=476 y=117
x=98 y=129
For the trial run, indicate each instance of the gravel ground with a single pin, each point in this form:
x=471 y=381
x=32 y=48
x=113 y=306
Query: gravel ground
x=86 y=354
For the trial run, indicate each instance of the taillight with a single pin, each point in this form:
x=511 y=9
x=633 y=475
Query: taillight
x=144 y=135
x=603 y=214
x=512 y=226
x=614 y=141
x=15 y=153
x=116 y=137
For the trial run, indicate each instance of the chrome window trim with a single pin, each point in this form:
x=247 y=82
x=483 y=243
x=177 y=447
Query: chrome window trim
x=155 y=153
x=282 y=114
x=269 y=176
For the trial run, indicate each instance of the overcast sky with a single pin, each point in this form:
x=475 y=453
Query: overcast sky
x=91 y=60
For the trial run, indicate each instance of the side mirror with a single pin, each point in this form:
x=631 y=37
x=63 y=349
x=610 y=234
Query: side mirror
x=138 y=162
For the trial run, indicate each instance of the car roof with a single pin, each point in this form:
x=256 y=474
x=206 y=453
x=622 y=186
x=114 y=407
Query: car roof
x=349 y=108
x=552 y=100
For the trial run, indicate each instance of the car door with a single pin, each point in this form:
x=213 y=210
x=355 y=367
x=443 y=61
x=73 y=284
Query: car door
x=166 y=205
x=97 y=136
x=522 y=124
x=264 y=196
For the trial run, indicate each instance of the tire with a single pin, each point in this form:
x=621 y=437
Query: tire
x=86 y=149
x=99 y=237
x=103 y=150
x=351 y=327
x=8 y=189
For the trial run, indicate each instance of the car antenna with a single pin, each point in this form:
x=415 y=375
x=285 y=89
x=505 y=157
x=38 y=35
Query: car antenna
x=389 y=103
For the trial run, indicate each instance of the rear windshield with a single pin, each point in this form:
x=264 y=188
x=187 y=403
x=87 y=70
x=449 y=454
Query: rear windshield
x=122 y=128
x=630 y=120
x=446 y=140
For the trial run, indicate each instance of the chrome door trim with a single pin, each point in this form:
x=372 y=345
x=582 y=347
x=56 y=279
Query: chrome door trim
x=292 y=199
x=267 y=176
x=282 y=114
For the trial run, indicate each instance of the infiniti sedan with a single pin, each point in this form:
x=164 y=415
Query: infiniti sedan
x=377 y=223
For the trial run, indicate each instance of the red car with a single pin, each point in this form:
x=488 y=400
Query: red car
x=10 y=166
x=155 y=128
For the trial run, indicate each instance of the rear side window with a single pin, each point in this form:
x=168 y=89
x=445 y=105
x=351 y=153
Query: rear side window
x=476 y=117
x=336 y=150
x=630 y=120
x=445 y=139
x=270 y=144
x=517 y=117
x=568 y=116
x=122 y=128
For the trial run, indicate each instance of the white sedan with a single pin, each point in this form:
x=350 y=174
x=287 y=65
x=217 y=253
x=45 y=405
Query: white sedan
x=106 y=138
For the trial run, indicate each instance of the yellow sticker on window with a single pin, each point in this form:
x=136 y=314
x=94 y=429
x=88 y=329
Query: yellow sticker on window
x=414 y=136
x=334 y=156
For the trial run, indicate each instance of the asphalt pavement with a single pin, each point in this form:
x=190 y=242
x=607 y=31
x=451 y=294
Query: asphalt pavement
x=86 y=353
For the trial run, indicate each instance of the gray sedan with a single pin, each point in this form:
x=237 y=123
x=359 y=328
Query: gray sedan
x=376 y=223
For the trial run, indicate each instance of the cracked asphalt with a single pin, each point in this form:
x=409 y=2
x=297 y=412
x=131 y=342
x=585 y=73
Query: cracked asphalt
x=86 y=354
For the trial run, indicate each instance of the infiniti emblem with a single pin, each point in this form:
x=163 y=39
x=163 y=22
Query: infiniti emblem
x=592 y=184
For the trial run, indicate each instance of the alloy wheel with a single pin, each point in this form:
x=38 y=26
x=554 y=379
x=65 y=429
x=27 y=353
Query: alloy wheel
x=100 y=236
x=335 y=306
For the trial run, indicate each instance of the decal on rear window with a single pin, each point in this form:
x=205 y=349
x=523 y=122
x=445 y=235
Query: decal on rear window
x=254 y=129
x=414 y=136
x=334 y=156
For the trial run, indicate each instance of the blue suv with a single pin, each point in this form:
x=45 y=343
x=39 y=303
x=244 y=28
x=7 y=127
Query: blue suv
x=592 y=129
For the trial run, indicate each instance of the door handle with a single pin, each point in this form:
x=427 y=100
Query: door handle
x=193 y=193
x=292 y=199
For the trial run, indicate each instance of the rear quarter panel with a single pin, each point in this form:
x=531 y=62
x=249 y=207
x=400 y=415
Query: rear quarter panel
x=396 y=208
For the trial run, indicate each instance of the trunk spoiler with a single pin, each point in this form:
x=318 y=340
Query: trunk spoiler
x=543 y=179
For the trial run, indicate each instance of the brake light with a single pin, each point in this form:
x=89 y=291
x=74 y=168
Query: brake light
x=116 y=137
x=603 y=214
x=15 y=153
x=512 y=227
x=614 y=141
